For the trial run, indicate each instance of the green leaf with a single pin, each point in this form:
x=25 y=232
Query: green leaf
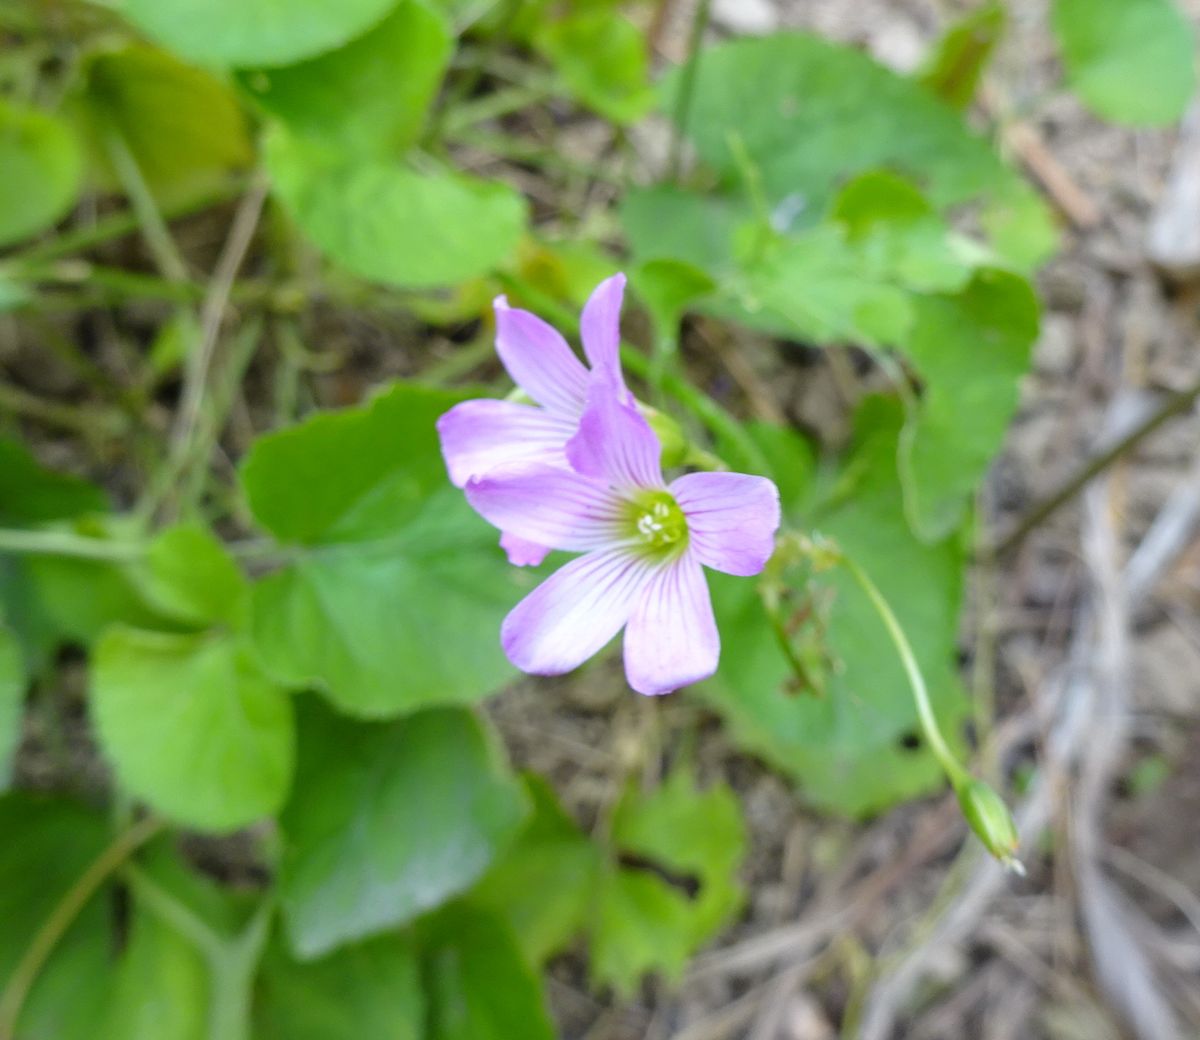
x=182 y=125
x=813 y=286
x=192 y=726
x=388 y=821
x=971 y=350
x=694 y=834
x=30 y=494
x=480 y=988
x=388 y=223
x=149 y=985
x=955 y=67
x=668 y=288
x=543 y=884
x=253 y=32
x=370 y=989
x=800 y=115
x=395 y=601
x=12 y=702
x=850 y=277
x=682 y=849
x=851 y=749
x=48 y=843
x=64 y=600
x=899 y=236
x=370 y=96
x=160 y=989
x=641 y=924
x=602 y=58
x=43 y=171
x=1131 y=61
x=190 y=575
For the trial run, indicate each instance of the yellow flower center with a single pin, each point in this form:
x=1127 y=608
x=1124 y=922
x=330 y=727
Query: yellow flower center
x=657 y=523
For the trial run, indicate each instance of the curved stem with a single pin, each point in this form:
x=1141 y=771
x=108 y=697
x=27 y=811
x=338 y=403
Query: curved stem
x=929 y=725
x=63 y=915
x=66 y=543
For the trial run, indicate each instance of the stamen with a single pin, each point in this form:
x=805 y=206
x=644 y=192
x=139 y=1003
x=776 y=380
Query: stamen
x=657 y=522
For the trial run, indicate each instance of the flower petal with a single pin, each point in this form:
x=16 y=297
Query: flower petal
x=614 y=442
x=671 y=639
x=732 y=519
x=522 y=553
x=547 y=506
x=574 y=612
x=477 y=436
x=600 y=326
x=539 y=360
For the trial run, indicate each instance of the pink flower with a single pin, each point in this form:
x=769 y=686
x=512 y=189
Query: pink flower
x=478 y=436
x=645 y=544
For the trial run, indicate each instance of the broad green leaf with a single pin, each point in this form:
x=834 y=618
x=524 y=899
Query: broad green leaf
x=389 y=820
x=253 y=32
x=800 y=115
x=897 y=234
x=370 y=989
x=543 y=884
x=181 y=124
x=680 y=850
x=955 y=67
x=12 y=702
x=1131 y=61
x=852 y=749
x=225 y=908
x=160 y=989
x=116 y=975
x=43 y=170
x=66 y=600
x=850 y=277
x=697 y=835
x=190 y=575
x=30 y=494
x=370 y=96
x=48 y=843
x=665 y=222
x=479 y=986
x=396 y=598
x=640 y=924
x=602 y=58
x=668 y=288
x=192 y=726
x=813 y=286
x=971 y=351
x=386 y=222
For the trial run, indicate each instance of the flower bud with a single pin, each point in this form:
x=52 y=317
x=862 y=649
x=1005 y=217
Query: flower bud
x=991 y=821
x=675 y=448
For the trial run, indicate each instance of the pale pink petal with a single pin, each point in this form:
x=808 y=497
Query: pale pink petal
x=574 y=612
x=522 y=553
x=732 y=519
x=671 y=639
x=477 y=436
x=539 y=360
x=614 y=442
x=548 y=506
x=600 y=326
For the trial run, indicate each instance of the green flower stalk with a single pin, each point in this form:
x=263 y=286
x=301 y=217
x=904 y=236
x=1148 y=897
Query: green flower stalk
x=983 y=809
